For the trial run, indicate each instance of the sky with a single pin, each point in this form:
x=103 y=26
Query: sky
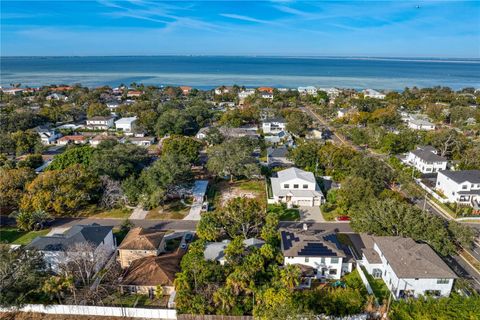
x=283 y=28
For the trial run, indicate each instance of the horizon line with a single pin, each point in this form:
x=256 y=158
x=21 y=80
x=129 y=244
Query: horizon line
x=366 y=57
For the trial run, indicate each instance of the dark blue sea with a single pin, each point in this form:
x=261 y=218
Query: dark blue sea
x=205 y=72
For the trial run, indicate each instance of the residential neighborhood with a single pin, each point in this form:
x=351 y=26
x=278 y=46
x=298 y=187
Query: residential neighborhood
x=268 y=195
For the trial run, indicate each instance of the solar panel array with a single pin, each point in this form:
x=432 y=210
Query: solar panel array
x=333 y=239
x=288 y=238
x=316 y=249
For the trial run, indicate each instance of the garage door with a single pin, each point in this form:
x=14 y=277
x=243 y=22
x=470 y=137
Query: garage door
x=304 y=203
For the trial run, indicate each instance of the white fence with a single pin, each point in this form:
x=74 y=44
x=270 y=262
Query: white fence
x=364 y=279
x=430 y=191
x=166 y=314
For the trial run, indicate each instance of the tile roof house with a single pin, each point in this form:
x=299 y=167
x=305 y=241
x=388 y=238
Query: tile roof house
x=75 y=139
x=461 y=187
x=53 y=247
x=320 y=252
x=144 y=275
x=426 y=160
x=140 y=243
x=408 y=268
x=294 y=186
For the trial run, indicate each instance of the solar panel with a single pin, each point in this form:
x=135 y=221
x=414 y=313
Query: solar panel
x=316 y=249
x=288 y=238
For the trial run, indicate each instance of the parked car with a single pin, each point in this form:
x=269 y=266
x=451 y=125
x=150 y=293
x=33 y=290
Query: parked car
x=188 y=237
x=343 y=218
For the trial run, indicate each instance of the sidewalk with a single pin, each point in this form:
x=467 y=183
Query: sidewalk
x=138 y=213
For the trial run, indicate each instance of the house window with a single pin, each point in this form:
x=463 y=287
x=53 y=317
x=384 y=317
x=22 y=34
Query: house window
x=377 y=273
x=295 y=186
x=322 y=260
x=332 y=271
x=443 y=281
x=464 y=187
x=305 y=186
x=334 y=260
x=286 y=186
x=306 y=259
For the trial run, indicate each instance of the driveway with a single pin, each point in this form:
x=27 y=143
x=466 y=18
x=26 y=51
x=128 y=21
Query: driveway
x=311 y=214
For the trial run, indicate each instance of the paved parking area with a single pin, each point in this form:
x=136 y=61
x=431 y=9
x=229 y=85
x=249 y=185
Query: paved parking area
x=311 y=214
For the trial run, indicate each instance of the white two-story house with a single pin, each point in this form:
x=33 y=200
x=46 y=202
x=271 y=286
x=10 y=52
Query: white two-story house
x=462 y=187
x=101 y=122
x=318 y=254
x=47 y=135
x=274 y=125
x=426 y=160
x=126 y=125
x=294 y=186
x=408 y=268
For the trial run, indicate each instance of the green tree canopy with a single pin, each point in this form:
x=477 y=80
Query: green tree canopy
x=61 y=191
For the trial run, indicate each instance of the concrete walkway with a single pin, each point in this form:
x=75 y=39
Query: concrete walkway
x=199 y=191
x=138 y=213
x=311 y=214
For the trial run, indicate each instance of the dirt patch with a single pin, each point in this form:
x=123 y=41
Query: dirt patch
x=248 y=189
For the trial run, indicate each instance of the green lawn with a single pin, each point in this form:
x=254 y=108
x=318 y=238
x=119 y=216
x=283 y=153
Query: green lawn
x=353 y=280
x=15 y=236
x=134 y=300
x=283 y=213
x=251 y=186
x=119 y=213
x=378 y=286
x=172 y=210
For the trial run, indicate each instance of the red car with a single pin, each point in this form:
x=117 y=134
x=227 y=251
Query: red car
x=343 y=218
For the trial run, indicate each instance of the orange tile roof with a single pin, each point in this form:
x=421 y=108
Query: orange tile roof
x=266 y=89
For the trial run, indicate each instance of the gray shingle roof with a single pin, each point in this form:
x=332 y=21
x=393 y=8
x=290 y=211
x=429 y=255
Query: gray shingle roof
x=280 y=152
x=93 y=233
x=472 y=176
x=292 y=173
x=410 y=259
x=428 y=156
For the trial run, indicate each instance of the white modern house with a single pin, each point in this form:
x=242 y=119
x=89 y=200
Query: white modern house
x=408 y=268
x=311 y=90
x=246 y=93
x=101 y=122
x=417 y=122
x=426 y=160
x=223 y=90
x=294 y=186
x=54 y=247
x=126 y=125
x=420 y=124
x=462 y=187
x=370 y=93
x=319 y=255
x=274 y=125
x=47 y=135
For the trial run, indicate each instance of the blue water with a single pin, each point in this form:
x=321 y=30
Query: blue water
x=210 y=71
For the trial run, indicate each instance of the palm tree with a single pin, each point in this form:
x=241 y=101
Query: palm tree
x=55 y=286
x=290 y=276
